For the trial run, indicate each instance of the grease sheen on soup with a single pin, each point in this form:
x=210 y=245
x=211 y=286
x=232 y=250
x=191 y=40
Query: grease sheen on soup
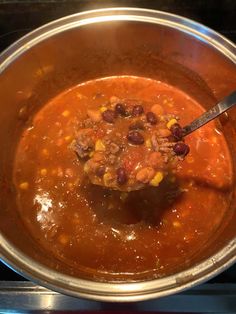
x=113 y=235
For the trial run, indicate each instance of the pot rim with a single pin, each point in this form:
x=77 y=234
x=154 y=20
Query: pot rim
x=186 y=25
x=103 y=291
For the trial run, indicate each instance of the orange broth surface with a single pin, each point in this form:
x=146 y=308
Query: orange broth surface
x=113 y=235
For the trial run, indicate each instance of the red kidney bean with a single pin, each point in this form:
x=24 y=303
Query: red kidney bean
x=137 y=110
x=151 y=118
x=181 y=149
x=109 y=116
x=122 y=177
x=177 y=131
x=136 y=138
x=100 y=171
x=120 y=109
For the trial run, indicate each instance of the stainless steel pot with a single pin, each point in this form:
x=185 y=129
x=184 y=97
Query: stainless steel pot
x=103 y=43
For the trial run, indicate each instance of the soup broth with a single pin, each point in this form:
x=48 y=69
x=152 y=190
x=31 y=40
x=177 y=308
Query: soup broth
x=112 y=235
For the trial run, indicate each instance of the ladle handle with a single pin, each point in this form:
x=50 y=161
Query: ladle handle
x=225 y=104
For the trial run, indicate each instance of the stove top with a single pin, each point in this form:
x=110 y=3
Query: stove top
x=20 y=17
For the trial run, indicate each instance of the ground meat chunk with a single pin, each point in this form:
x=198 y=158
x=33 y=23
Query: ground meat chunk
x=154 y=142
x=114 y=148
x=84 y=143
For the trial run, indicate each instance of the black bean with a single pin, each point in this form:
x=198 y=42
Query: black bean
x=177 y=131
x=122 y=177
x=136 y=138
x=137 y=110
x=100 y=171
x=151 y=118
x=137 y=125
x=120 y=109
x=181 y=149
x=109 y=116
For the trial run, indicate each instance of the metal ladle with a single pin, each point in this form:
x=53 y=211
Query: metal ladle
x=225 y=104
x=206 y=117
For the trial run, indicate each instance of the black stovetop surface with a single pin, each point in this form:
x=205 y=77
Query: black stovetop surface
x=20 y=17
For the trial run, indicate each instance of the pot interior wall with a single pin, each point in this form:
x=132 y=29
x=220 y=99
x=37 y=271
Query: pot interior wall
x=98 y=50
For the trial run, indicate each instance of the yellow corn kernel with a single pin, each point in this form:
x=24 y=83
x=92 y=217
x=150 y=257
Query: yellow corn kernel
x=91 y=154
x=102 y=109
x=148 y=143
x=163 y=222
x=123 y=196
x=114 y=99
x=80 y=96
x=44 y=70
x=110 y=206
x=63 y=238
x=43 y=172
x=39 y=73
x=170 y=123
x=70 y=185
x=172 y=179
x=214 y=139
x=86 y=168
x=162 y=118
x=45 y=152
x=190 y=159
x=54 y=171
x=188 y=237
x=24 y=186
x=176 y=224
x=157 y=179
x=99 y=146
x=59 y=142
x=107 y=178
x=165 y=101
x=67 y=138
x=185 y=213
x=66 y=113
